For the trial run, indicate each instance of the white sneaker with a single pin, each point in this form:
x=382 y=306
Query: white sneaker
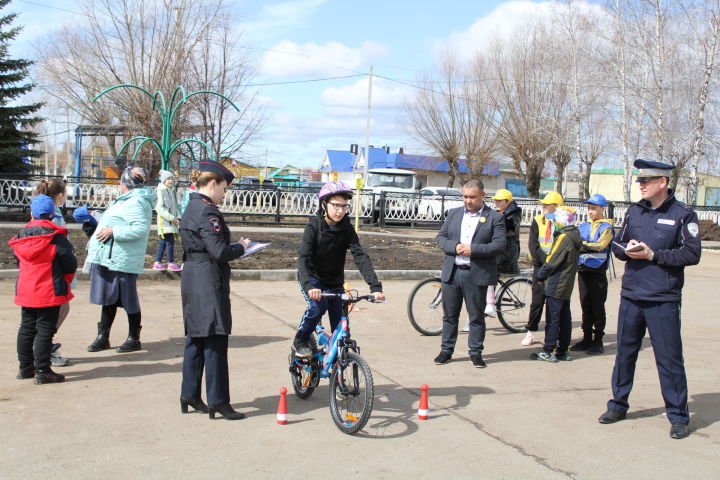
x=490 y=310
x=466 y=328
x=528 y=340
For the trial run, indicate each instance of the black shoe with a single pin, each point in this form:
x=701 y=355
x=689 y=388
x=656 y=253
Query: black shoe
x=195 y=403
x=132 y=343
x=226 y=411
x=25 y=373
x=679 y=430
x=102 y=341
x=612 y=416
x=444 y=357
x=582 y=345
x=48 y=376
x=596 y=348
x=55 y=347
x=477 y=361
x=301 y=346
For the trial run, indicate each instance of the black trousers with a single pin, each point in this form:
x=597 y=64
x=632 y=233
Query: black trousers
x=208 y=354
x=34 y=339
x=537 y=303
x=593 y=287
x=558 y=325
x=662 y=321
x=453 y=293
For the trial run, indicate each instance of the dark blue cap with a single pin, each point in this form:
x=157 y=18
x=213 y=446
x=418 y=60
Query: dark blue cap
x=597 y=199
x=42 y=206
x=217 y=168
x=647 y=169
x=82 y=215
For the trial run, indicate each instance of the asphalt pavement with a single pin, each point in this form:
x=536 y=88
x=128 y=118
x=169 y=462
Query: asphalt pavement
x=118 y=416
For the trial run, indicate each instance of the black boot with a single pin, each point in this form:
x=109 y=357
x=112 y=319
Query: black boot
x=583 y=344
x=226 y=411
x=597 y=346
x=195 y=403
x=46 y=375
x=132 y=343
x=102 y=341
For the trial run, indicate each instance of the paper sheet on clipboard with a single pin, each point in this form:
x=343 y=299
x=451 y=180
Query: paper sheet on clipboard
x=636 y=247
x=254 y=247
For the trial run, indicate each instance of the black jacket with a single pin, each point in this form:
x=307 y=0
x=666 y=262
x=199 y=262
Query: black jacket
x=322 y=255
x=513 y=218
x=205 y=284
x=562 y=264
x=672 y=231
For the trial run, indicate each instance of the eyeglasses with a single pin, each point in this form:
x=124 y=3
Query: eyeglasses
x=340 y=206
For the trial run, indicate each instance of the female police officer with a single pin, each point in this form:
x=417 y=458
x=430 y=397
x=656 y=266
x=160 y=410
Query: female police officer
x=205 y=290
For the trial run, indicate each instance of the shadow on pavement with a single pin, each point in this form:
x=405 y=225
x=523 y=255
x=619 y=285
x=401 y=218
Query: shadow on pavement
x=394 y=409
x=704 y=410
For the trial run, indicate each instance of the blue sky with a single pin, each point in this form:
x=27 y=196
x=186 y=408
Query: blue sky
x=310 y=39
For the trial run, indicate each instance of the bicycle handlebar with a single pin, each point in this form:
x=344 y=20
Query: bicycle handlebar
x=348 y=298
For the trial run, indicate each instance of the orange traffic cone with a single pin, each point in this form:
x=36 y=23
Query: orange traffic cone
x=282 y=408
x=423 y=406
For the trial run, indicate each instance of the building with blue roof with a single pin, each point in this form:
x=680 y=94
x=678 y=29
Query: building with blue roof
x=431 y=171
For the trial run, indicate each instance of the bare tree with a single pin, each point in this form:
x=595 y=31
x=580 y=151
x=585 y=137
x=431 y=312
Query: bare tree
x=480 y=138
x=437 y=118
x=526 y=98
x=153 y=44
x=223 y=65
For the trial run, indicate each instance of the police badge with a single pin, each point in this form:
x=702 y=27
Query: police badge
x=694 y=229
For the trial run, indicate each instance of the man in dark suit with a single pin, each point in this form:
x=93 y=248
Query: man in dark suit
x=472 y=237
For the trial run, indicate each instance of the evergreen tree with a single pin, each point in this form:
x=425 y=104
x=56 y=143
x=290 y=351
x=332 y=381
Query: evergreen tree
x=16 y=138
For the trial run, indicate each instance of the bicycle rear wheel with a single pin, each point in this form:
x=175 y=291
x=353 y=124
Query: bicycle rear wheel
x=513 y=303
x=351 y=394
x=424 y=307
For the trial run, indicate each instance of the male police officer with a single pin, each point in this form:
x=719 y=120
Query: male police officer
x=659 y=237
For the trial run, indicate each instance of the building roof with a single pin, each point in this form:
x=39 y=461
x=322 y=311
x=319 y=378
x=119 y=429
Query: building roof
x=344 y=161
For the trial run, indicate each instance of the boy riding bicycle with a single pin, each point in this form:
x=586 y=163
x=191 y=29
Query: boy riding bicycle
x=321 y=262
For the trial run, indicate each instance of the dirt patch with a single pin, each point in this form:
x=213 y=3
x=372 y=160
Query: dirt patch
x=710 y=231
x=386 y=253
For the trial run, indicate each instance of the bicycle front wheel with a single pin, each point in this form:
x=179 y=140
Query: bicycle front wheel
x=351 y=394
x=513 y=303
x=424 y=307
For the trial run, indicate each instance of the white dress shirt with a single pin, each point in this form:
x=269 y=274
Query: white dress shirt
x=467 y=230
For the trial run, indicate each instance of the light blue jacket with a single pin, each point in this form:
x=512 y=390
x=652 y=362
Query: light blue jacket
x=130 y=217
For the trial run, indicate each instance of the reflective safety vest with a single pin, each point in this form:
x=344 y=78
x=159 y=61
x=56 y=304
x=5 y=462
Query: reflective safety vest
x=546 y=228
x=594 y=259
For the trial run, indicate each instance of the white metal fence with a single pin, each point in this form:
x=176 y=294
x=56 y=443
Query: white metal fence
x=276 y=205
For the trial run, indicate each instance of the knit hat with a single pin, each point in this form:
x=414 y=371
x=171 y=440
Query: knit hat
x=165 y=174
x=565 y=216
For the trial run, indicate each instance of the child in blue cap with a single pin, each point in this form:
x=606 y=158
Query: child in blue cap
x=47 y=266
x=596 y=234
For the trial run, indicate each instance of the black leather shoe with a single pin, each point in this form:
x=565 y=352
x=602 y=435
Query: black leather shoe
x=226 y=411
x=612 y=416
x=679 y=430
x=195 y=403
x=477 y=361
x=48 y=376
x=444 y=357
x=25 y=373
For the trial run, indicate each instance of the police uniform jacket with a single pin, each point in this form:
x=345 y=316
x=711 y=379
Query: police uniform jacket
x=673 y=234
x=205 y=286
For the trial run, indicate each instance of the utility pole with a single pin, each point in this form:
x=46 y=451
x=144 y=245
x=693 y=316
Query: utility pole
x=360 y=182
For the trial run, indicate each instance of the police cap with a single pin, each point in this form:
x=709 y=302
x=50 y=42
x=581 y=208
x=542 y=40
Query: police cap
x=647 y=169
x=217 y=168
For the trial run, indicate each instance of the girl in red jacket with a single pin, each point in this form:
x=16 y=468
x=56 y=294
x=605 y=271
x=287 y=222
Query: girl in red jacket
x=47 y=267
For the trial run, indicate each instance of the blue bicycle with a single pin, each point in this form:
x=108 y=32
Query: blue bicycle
x=338 y=358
